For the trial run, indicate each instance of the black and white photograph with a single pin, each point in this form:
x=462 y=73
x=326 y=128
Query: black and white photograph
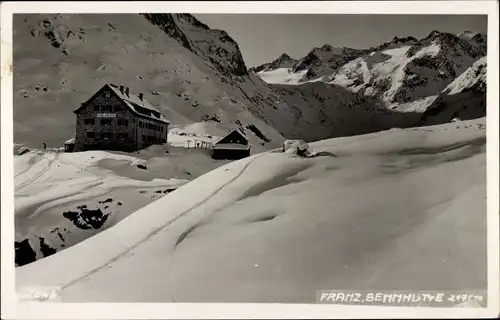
x=328 y=159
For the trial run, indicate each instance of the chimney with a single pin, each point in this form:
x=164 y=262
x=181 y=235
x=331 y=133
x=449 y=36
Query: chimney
x=127 y=91
x=141 y=95
x=121 y=89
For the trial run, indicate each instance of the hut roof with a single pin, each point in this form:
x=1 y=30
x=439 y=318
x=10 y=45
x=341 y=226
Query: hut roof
x=137 y=105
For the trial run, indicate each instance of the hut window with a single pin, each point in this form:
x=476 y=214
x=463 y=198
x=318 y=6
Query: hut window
x=89 y=121
x=91 y=135
x=107 y=95
x=122 y=122
x=105 y=122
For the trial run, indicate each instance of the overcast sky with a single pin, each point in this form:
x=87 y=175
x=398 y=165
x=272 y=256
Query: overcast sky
x=262 y=38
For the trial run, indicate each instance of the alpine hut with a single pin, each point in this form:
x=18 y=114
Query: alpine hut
x=115 y=119
x=231 y=147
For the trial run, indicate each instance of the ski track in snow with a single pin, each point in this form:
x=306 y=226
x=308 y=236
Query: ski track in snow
x=162 y=227
x=36 y=176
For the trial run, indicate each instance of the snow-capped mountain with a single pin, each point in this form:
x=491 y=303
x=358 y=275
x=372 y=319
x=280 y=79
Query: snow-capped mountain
x=188 y=71
x=464 y=98
x=324 y=60
x=318 y=62
x=406 y=74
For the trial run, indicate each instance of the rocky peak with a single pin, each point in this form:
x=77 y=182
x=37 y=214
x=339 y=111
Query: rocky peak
x=285 y=57
x=409 y=39
x=480 y=38
x=283 y=61
x=326 y=47
x=434 y=34
x=214 y=46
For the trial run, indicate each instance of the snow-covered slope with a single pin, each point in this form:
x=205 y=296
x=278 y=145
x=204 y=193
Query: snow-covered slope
x=188 y=71
x=64 y=198
x=473 y=78
x=395 y=209
x=464 y=98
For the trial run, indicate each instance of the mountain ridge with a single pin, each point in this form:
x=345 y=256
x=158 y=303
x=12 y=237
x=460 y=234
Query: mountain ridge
x=407 y=74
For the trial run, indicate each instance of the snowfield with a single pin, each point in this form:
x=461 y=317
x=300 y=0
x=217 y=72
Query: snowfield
x=388 y=66
x=64 y=198
x=282 y=76
x=398 y=209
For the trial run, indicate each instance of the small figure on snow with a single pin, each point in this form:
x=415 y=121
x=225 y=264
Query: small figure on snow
x=44 y=146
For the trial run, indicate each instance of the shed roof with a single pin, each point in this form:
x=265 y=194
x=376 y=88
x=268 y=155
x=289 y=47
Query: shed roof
x=230 y=146
x=70 y=141
x=237 y=131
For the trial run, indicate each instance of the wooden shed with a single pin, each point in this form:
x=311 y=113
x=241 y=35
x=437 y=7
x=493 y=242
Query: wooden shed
x=231 y=147
x=69 y=146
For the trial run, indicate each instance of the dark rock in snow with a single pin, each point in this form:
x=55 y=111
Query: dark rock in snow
x=24 y=253
x=87 y=219
x=108 y=200
x=45 y=248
